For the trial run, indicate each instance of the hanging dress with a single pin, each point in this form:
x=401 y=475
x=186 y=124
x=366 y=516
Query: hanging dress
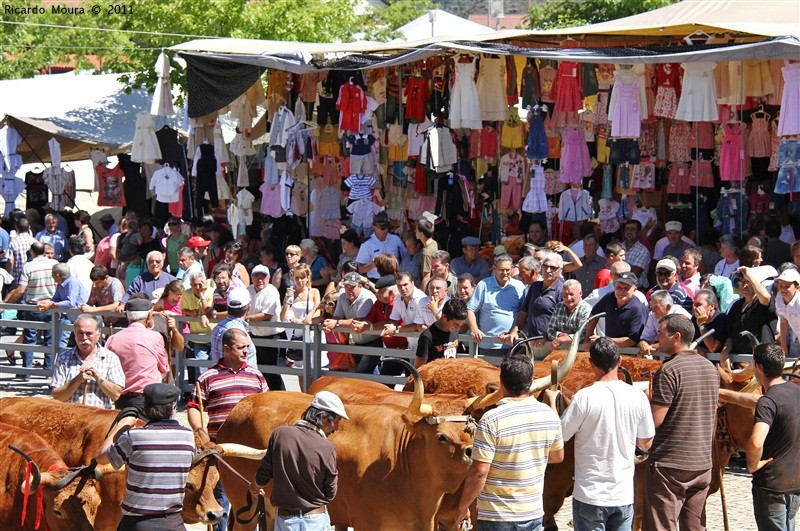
x=667 y=76
x=731 y=163
x=491 y=88
x=628 y=105
x=465 y=108
x=535 y=199
x=605 y=79
x=575 y=161
x=789 y=123
x=537 y=138
x=758 y=141
x=568 y=87
x=698 y=102
x=145 y=143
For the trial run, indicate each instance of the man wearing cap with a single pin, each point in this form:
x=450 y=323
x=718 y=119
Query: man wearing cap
x=266 y=308
x=754 y=312
x=221 y=387
x=238 y=306
x=354 y=304
x=673 y=244
x=53 y=236
x=541 y=300
x=667 y=279
x=161 y=452
x=109 y=225
x=150 y=280
x=429 y=246
x=381 y=241
x=88 y=373
x=200 y=247
x=187 y=263
x=470 y=263
x=787 y=306
x=493 y=306
x=301 y=463
x=625 y=314
x=595 y=296
x=440 y=268
x=141 y=352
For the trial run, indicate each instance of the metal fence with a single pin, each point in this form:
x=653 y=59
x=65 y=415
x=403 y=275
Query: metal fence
x=312 y=345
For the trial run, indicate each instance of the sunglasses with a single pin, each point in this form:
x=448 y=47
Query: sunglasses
x=550 y=268
x=329 y=304
x=291 y=254
x=664 y=273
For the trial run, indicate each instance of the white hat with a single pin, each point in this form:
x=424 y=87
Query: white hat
x=327 y=401
x=238 y=298
x=761 y=274
x=264 y=270
x=673 y=225
x=790 y=275
x=666 y=263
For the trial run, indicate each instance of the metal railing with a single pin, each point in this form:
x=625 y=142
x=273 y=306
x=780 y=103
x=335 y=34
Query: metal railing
x=312 y=345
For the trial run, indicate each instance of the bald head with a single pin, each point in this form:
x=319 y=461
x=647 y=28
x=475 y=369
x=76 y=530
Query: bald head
x=618 y=268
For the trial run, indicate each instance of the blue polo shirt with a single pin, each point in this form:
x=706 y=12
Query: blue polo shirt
x=479 y=268
x=627 y=321
x=496 y=307
x=540 y=304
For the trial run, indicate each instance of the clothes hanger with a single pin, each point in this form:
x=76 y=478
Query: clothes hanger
x=761 y=112
x=700 y=33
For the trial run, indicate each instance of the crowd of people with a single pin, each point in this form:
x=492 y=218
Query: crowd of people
x=656 y=294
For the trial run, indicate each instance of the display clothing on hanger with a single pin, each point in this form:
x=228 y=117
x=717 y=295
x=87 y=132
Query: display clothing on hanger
x=10 y=188
x=145 y=146
x=547 y=78
x=59 y=181
x=679 y=140
x=465 y=107
x=351 y=104
x=731 y=212
x=416 y=92
x=608 y=215
x=701 y=174
x=757 y=79
x=535 y=199
x=667 y=86
x=568 y=87
x=732 y=163
x=361 y=213
x=537 y=148
x=110 y=186
x=531 y=90
x=759 y=204
x=643 y=174
x=511 y=172
x=679 y=178
x=513 y=133
x=605 y=79
x=166 y=183
x=439 y=151
x=575 y=160
x=790 y=102
x=698 y=100
x=491 y=88
x=37 y=196
x=788 y=161
x=271 y=199
x=98 y=156
x=575 y=205
x=205 y=168
x=758 y=141
x=489 y=142
x=416 y=137
x=10 y=139
x=360 y=186
x=628 y=105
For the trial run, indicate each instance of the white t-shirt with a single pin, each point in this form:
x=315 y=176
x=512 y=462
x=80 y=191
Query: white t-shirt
x=267 y=301
x=790 y=312
x=606 y=419
x=373 y=247
x=407 y=313
x=724 y=269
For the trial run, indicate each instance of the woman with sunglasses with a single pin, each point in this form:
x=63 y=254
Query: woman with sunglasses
x=234 y=252
x=301 y=301
x=337 y=361
x=173 y=243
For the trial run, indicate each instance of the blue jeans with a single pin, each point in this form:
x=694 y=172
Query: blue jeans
x=311 y=522
x=587 y=517
x=29 y=337
x=219 y=494
x=775 y=511
x=201 y=352
x=529 y=525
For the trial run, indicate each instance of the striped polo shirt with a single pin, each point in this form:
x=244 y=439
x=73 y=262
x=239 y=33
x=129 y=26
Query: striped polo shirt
x=515 y=438
x=159 y=456
x=221 y=388
x=37 y=275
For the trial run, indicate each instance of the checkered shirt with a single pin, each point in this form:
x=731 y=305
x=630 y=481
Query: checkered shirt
x=639 y=256
x=563 y=322
x=19 y=248
x=107 y=364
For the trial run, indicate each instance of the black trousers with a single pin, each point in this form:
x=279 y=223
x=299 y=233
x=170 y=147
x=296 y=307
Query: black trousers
x=269 y=356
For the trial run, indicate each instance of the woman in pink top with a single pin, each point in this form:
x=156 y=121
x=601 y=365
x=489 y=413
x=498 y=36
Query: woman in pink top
x=170 y=301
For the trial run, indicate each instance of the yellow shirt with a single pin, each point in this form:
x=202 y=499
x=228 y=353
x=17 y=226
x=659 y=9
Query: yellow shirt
x=189 y=303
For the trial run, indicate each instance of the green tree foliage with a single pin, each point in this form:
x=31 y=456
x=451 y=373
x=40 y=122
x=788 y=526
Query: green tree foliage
x=152 y=25
x=381 y=24
x=565 y=13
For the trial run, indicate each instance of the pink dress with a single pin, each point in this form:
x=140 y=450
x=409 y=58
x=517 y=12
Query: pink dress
x=758 y=142
x=628 y=104
x=790 y=102
x=731 y=161
x=679 y=135
x=575 y=161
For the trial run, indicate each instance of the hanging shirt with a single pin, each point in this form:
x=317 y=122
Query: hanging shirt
x=109 y=186
x=360 y=186
x=245 y=201
x=166 y=183
x=9 y=140
x=10 y=188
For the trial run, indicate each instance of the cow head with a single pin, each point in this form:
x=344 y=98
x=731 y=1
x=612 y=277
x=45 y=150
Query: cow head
x=199 y=503
x=70 y=496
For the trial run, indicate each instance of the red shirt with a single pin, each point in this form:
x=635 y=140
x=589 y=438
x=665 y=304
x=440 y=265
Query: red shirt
x=380 y=313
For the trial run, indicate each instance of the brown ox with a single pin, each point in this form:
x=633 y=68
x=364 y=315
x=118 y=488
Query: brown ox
x=379 y=451
x=70 y=497
x=76 y=432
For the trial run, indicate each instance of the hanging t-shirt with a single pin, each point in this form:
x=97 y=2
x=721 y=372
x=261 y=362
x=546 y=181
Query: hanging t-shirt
x=37 y=196
x=166 y=183
x=109 y=186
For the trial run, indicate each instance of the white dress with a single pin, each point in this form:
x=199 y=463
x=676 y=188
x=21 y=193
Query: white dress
x=465 y=107
x=492 y=89
x=698 y=101
x=145 y=144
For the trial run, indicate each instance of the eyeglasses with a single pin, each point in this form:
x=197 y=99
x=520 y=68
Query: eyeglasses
x=664 y=273
x=329 y=304
x=550 y=268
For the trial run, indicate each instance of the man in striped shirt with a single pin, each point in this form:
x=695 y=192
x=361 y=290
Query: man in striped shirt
x=222 y=387
x=159 y=456
x=513 y=446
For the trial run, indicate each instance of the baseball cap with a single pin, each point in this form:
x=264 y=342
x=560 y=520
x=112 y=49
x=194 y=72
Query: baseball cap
x=673 y=225
x=327 y=401
x=628 y=277
x=500 y=249
x=196 y=241
x=470 y=240
x=790 y=275
x=159 y=394
x=666 y=263
x=264 y=270
x=381 y=219
x=353 y=279
x=238 y=298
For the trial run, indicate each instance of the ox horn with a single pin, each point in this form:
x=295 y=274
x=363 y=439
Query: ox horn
x=569 y=360
x=740 y=375
x=36 y=475
x=108 y=468
x=416 y=408
x=484 y=401
x=700 y=339
x=240 y=450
